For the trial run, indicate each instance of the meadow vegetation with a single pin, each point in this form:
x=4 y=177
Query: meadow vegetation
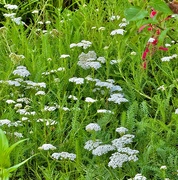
x=88 y=91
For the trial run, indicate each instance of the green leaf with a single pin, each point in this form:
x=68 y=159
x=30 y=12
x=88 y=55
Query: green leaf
x=4 y=145
x=135 y=13
x=162 y=36
x=160 y=6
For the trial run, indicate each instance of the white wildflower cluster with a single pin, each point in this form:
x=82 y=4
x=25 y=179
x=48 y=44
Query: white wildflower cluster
x=77 y=80
x=93 y=127
x=9 y=123
x=84 y=44
x=48 y=122
x=90 y=144
x=139 y=177
x=113 y=17
x=21 y=71
x=17 y=20
x=90 y=60
x=53 y=71
x=124 y=23
x=73 y=97
x=63 y=56
x=122 y=153
x=47 y=147
x=103 y=149
x=90 y=100
x=168 y=58
x=64 y=155
x=104 y=111
x=117 y=98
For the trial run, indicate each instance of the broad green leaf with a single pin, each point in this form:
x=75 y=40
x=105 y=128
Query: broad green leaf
x=135 y=13
x=15 y=167
x=9 y=150
x=4 y=145
x=161 y=6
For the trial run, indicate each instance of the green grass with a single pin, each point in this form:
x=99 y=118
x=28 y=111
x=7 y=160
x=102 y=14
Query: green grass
x=149 y=114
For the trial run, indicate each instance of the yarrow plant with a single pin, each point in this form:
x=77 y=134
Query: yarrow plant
x=122 y=153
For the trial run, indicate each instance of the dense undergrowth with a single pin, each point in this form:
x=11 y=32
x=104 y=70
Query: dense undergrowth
x=105 y=64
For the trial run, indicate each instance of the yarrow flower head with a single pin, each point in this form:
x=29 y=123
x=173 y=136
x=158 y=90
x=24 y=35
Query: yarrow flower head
x=47 y=147
x=64 y=155
x=89 y=60
x=93 y=127
x=11 y=6
x=21 y=71
x=121 y=130
x=117 y=31
x=139 y=177
x=90 y=100
x=103 y=149
x=77 y=80
x=90 y=145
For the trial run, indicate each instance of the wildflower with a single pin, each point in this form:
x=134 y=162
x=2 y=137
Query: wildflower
x=48 y=22
x=163 y=167
x=117 y=31
x=18 y=106
x=21 y=71
x=93 y=127
x=139 y=177
x=5 y=122
x=35 y=12
x=176 y=111
x=17 y=20
x=167 y=45
x=50 y=108
x=123 y=24
x=104 y=111
x=77 y=80
x=117 y=159
x=87 y=61
x=112 y=18
x=133 y=53
x=48 y=122
x=13 y=83
x=101 y=59
x=64 y=56
x=122 y=141
x=24 y=100
x=117 y=98
x=103 y=149
x=85 y=44
x=40 y=22
x=101 y=28
x=64 y=155
x=47 y=147
x=168 y=58
x=11 y=7
x=73 y=97
x=12 y=15
x=153 y=13
x=40 y=93
x=113 y=62
x=90 y=145
x=121 y=130
x=19 y=135
x=9 y=101
x=90 y=100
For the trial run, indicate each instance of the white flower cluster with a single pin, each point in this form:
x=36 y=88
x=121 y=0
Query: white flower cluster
x=21 y=71
x=93 y=127
x=90 y=60
x=48 y=122
x=122 y=154
x=90 y=144
x=117 y=98
x=139 y=177
x=47 y=147
x=77 y=80
x=17 y=20
x=168 y=58
x=9 y=123
x=84 y=44
x=53 y=71
x=64 y=155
